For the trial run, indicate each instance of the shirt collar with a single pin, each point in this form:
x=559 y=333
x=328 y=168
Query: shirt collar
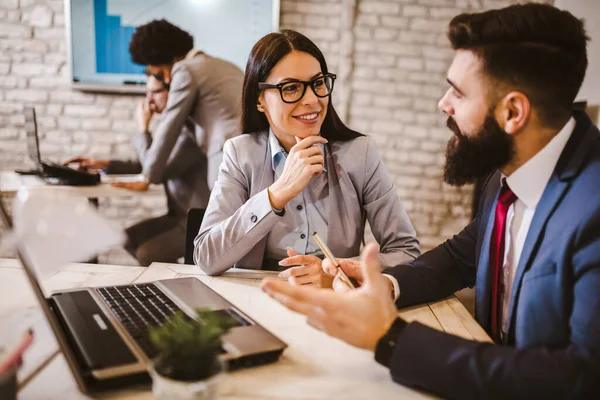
x=278 y=153
x=192 y=53
x=276 y=149
x=529 y=181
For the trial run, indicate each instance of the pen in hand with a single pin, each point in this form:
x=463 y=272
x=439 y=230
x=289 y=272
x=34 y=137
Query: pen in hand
x=333 y=261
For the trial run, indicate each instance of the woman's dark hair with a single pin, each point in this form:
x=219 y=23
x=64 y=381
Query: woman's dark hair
x=159 y=42
x=265 y=54
x=534 y=48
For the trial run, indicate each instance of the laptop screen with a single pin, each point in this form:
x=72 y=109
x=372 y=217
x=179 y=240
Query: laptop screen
x=39 y=294
x=33 y=143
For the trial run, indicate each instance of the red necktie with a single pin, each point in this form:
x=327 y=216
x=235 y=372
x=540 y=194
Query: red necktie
x=505 y=200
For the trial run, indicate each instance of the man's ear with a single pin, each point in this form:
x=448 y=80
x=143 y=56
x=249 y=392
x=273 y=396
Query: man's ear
x=167 y=74
x=513 y=112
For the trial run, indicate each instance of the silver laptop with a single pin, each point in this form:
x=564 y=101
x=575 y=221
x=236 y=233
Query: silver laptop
x=102 y=331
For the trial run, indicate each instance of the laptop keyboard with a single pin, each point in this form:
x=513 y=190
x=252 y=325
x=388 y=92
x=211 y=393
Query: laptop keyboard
x=137 y=307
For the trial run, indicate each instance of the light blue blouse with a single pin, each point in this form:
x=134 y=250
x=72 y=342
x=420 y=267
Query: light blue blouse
x=305 y=214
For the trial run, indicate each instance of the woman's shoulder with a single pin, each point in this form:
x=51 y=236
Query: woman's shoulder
x=356 y=158
x=246 y=148
x=248 y=141
x=355 y=149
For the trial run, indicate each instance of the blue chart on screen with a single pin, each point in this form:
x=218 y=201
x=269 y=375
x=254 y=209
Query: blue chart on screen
x=100 y=32
x=112 y=43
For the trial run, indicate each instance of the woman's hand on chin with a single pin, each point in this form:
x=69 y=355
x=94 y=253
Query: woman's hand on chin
x=303 y=161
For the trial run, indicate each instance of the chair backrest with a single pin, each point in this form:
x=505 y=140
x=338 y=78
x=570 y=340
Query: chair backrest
x=193 y=222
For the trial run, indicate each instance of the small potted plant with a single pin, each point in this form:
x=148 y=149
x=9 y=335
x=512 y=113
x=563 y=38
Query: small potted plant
x=188 y=364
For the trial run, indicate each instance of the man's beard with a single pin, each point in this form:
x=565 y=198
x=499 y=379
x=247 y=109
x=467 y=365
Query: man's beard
x=474 y=157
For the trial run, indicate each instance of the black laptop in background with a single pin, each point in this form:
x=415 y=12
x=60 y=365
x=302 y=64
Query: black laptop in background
x=51 y=172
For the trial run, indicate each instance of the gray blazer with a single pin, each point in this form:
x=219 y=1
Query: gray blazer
x=184 y=181
x=204 y=97
x=239 y=215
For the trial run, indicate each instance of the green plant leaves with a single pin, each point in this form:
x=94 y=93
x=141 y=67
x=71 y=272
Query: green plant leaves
x=189 y=348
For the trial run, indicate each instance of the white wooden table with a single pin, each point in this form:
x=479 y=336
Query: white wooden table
x=11 y=182
x=314 y=366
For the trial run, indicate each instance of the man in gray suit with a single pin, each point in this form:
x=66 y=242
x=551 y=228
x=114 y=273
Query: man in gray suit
x=184 y=153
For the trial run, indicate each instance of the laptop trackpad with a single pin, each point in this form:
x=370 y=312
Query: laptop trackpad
x=193 y=293
x=98 y=343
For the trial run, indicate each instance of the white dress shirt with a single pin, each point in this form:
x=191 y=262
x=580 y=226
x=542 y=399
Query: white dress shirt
x=528 y=183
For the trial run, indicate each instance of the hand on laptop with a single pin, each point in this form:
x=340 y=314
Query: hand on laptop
x=309 y=271
x=87 y=164
x=135 y=186
x=352 y=268
x=359 y=317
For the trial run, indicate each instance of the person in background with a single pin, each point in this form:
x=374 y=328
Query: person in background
x=295 y=170
x=161 y=238
x=199 y=99
x=533 y=251
x=204 y=96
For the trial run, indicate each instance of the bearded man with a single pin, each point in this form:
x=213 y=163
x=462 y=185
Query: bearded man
x=533 y=250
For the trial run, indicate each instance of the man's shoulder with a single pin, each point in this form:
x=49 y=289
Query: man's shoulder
x=204 y=64
x=587 y=180
x=585 y=186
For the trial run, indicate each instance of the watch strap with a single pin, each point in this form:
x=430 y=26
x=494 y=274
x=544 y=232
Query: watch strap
x=387 y=344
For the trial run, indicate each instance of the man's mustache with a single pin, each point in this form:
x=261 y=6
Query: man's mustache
x=453 y=126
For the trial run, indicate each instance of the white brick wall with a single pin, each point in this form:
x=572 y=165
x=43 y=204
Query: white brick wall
x=399 y=64
x=390 y=55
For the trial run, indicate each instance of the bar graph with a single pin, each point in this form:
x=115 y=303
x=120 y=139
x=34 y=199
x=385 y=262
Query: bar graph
x=100 y=32
x=112 y=43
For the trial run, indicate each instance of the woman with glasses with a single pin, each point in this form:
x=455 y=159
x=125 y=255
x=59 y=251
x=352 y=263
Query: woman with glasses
x=296 y=170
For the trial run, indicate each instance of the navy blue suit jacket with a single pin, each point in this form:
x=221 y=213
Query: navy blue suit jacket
x=553 y=345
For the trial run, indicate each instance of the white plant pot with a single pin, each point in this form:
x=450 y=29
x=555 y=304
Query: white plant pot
x=168 y=389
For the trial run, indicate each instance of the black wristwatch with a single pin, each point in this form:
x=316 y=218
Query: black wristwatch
x=387 y=344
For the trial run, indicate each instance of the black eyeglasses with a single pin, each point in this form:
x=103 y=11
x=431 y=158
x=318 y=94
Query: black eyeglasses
x=293 y=91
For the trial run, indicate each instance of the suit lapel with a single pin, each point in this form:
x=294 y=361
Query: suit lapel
x=337 y=230
x=548 y=203
x=568 y=167
x=264 y=179
x=266 y=174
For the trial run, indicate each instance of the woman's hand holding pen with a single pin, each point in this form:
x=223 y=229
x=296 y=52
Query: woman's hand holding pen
x=352 y=268
x=303 y=161
x=307 y=272
x=360 y=317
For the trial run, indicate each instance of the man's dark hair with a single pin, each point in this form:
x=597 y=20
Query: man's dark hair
x=536 y=49
x=159 y=42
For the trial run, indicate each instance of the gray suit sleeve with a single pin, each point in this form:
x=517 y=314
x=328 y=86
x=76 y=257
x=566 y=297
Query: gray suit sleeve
x=154 y=154
x=184 y=155
x=233 y=223
x=386 y=215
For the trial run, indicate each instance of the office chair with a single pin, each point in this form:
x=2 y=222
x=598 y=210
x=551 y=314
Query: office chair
x=192 y=226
